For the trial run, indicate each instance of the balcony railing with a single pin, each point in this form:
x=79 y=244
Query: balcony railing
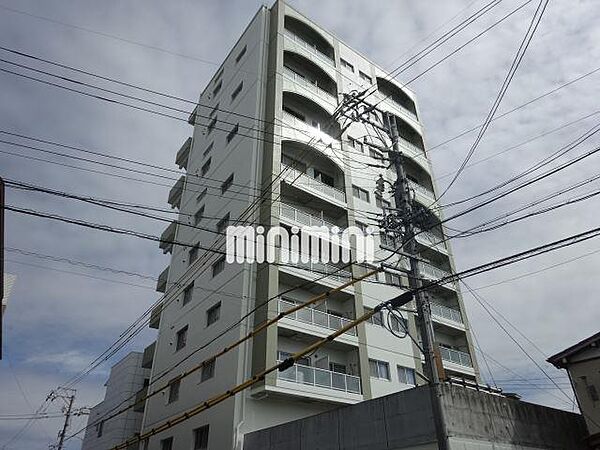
x=301 y=217
x=308 y=85
x=316 y=317
x=431 y=240
x=456 y=356
x=323 y=269
x=307 y=130
x=432 y=272
x=314 y=376
x=302 y=180
x=421 y=190
x=309 y=47
x=176 y=192
x=446 y=312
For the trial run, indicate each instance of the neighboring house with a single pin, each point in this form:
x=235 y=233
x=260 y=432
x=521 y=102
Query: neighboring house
x=127 y=378
x=582 y=362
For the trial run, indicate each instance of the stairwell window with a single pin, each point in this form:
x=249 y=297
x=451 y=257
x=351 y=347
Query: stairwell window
x=346 y=65
x=233 y=132
x=379 y=369
x=364 y=76
x=213 y=314
x=241 y=54
x=237 y=91
x=181 y=338
x=217 y=87
x=201 y=438
x=406 y=375
x=206 y=167
x=208 y=370
x=360 y=193
x=218 y=266
x=227 y=184
x=174 y=390
x=188 y=293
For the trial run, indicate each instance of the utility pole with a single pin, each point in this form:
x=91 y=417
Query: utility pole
x=68 y=396
x=402 y=223
x=1 y=263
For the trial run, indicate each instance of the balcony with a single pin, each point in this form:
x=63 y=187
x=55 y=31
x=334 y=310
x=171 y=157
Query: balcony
x=299 y=130
x=431 y=240
x=434 y=273
x=308 y=48
x=423 y=195
x=321 y=378
x=315 y=317
x=155 y=317
x=320 y=269
x=309 y=89
x=456 y=357
x=161 y=284
x=168 y=237
x=148 y=356
x=397 y=97
x=192 y=117
x=176 y=192
x=183 y=154
x=414 y=152
x=446 y=313
x=302 y=218
x=315 y=187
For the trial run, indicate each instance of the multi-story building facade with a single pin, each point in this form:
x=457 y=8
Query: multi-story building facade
x=267 y=148
x=129 y=377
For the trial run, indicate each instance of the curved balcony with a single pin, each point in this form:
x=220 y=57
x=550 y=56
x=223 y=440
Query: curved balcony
x=415 y=153
x=422 y=194
x=294 y=81
x=305 y=40
x=447 y=316
x=433 y=273
x=301 y=218
x=431 y=241
x=315 y=187
x=397 y=99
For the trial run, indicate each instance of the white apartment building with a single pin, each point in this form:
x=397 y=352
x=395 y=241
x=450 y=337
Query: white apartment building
x=264 y=141
x=127 y=378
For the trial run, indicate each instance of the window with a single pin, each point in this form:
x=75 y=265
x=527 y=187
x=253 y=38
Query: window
x=214 y=110
x=201 y=195
x=166 y=444
x=206 y=167
x=376 y=319
x=174 y=390
x=208 y=149
x=219 y=74
x=193 y=254
x=227 y=184
x=364 y=76
x=399 y=324
x=360 y=193
x=208 y=370
x=381 y=203
x=198 y=216
x=201 y=438
x=212 y=314
x=211 y=125
x=346 y=65
x=337 y=368
x=351 y=142
x=379 y=369
x=233 y=132
x=99 y=428
x=218 y=266
x=181 y=338
x=223 y=224
x=187 y=294
x=241 y=54
x=237 y=91
x=406 y=375
x=393 y=279
x=217 y=87
x=375 y=153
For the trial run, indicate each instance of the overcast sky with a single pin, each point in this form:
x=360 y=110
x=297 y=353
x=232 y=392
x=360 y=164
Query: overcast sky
x=58 y=322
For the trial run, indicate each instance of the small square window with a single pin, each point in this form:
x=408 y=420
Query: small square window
x=218 y=266
x=406 y=375
x=166 y=444
x=206 y=167
x=241 y=54
x=379 y=369
x=174 y=390
x=201 y=438
x=188 y=293
x=360 y=193
x=181 y=338
x=212 y=314
x=208 y=370
x=232 y=133
x=227 y=184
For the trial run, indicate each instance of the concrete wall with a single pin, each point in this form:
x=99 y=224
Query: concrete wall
x=475 y=420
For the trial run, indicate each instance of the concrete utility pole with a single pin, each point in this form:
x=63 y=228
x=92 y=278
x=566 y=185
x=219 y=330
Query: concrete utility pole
x=1 y=263
x=69 y=397
x=403 y=225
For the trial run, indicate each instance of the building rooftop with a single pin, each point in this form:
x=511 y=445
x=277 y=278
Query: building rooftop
x=561 y=359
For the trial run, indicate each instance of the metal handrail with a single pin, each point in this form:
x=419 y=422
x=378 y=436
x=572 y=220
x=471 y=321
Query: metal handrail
x=315 y=376
x=311 y=48
x=302 y=217
x=315 y=317
x=456 y=356
x=446 y=312
x=303 y=180
x=421 y=189
x=310 y=86
x=322 y=268
x=431 y=240
x=314 y=132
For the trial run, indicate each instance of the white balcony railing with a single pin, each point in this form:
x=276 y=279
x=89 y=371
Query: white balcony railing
x=302 y=180
x=323 y=269
x=308 y=85
x=314 y=376
x=446 y=312
x=456 y=356
x=309 y=47
x=308 y=131
x=431 y=240
x=316 y=317
x=432 y=272
x=419 y=189
x=301 y=217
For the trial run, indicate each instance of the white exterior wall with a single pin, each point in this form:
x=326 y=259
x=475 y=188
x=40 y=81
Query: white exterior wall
x=271 y=402
x=126 y=379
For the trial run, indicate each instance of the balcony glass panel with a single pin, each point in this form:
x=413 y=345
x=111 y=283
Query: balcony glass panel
x=446 y=312
x=456 y=356
x=315 y=376
x=316 y=317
